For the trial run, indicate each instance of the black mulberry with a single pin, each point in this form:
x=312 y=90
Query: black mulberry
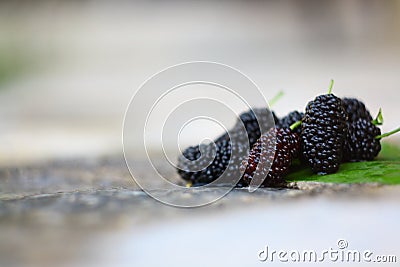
x=289 y=119
x=323 y=133
x=251 y=124
x=205 y=163
x=360 y=143
x=355 y=109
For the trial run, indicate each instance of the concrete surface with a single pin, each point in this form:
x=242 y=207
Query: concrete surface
x=90 y=213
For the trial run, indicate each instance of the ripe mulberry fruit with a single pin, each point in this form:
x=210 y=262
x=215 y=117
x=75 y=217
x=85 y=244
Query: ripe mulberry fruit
x=205 y=163
x=289 y=119
x=263 y=153
x=323 y=132
x=251 y=124
x=360 y=143
x=355 y=109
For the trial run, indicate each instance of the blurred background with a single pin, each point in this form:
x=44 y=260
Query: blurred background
x=69 y=68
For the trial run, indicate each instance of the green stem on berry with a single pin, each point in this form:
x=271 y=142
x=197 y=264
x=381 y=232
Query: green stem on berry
x=379 y=118
x=387 y=134
x=276 y=98
x=294 y=125
x=330 y=87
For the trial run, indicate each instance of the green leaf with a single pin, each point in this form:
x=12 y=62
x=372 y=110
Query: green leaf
x=385 y=169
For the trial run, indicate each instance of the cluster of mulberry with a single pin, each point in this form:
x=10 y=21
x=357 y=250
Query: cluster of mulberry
x=202 y=164
x=330 y=131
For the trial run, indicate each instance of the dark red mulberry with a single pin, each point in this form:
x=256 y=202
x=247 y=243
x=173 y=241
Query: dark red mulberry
x=264 y=152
